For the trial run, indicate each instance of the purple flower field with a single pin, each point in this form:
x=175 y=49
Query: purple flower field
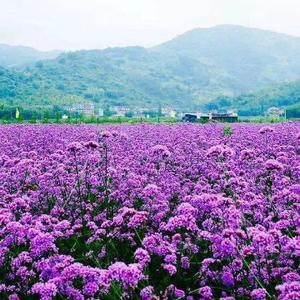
x=150 y=212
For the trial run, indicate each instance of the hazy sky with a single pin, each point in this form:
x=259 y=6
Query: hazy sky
x=86 y=24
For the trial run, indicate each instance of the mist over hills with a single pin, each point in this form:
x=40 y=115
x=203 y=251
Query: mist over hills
x=14 y=56
x=191 y=71
x=286 y=95
x=249 y=58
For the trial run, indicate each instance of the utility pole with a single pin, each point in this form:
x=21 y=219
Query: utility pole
x=285 y=114
x=159 y=113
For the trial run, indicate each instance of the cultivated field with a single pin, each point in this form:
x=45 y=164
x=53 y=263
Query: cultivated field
x=150 y=212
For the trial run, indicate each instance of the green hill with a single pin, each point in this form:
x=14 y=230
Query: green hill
x=118 y=76
x=15 y=56
x=194 y=70
x=253 y=104
x=248 y=58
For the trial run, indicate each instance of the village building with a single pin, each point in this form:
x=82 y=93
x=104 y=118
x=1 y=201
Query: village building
x=275 y=112
x=85 y=109
x=169 y=112
x=210 y=117
x=120 y=111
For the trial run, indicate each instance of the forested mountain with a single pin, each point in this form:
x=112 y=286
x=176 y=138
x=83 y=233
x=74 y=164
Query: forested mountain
x=249 y=59
x=283 y=95
x=194 y=70
x=16 y=56
x=117 y=76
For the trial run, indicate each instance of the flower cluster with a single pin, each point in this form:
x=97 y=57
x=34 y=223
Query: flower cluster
x=150 y=212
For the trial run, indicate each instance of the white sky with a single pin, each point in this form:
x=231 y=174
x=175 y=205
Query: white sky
x=86 y=24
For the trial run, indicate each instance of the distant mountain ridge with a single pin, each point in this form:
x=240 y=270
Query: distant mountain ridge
x=250 y=58
x=187 y=72
x=14 y=56
x=285 y=95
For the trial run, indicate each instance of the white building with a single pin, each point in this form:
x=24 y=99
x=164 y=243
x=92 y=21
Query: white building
x=275 y=112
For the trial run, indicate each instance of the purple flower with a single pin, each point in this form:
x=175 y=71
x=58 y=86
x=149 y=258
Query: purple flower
x=91 y=144
x=206 y=293
x=74 y=146
x=14 y=297
x=129 y=275
x=147 y=293
x=185 y=262
x=178 y=293
x=79 y=204
x=142 y=257
x=161 y=150
x=171 y=269
x=228 y=279
x=290 y=290
x=259 y=294
x=273 y=164
x=46 y=291
x=105 y=134
x=266 y=129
